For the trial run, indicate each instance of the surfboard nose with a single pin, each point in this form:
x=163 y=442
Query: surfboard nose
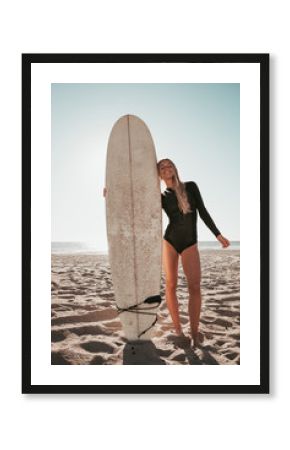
x=129 y=117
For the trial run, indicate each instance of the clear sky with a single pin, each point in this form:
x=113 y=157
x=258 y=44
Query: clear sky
x=195 y=125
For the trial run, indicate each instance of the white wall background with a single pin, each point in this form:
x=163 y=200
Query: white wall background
x=77 y=422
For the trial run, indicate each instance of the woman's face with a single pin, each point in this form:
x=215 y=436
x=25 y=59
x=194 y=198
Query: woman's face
x=166 y=170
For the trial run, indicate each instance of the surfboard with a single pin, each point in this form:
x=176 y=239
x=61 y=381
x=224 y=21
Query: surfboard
x=134 y=227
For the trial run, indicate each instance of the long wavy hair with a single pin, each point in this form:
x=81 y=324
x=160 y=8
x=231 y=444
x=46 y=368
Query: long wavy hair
x=178 y=186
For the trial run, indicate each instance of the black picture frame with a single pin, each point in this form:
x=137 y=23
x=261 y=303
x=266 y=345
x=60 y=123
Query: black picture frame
x=261 y=59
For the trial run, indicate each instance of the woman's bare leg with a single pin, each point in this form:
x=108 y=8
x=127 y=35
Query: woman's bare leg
x=170 y=264
x=191 y=266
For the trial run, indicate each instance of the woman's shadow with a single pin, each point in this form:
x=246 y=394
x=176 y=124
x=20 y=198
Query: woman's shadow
x=202 y=355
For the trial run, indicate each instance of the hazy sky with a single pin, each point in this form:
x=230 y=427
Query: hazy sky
x=195 y=125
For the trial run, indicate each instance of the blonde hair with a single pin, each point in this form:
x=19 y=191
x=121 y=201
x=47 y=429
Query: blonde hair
x=178 y=187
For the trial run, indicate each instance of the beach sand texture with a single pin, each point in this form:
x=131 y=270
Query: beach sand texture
x=85 y=326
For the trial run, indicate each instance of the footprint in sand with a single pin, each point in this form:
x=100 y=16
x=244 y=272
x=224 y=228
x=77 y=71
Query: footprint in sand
x=94 y=330
x=93 y=316
x=228 y=313
x=97 y=360
x=105 y=294
x=114 y=324
x=235 y=335
x=64 y=288
x=233 y=298
x=231 y=355
x=66 y=296
x=58 y=359
x=179 y=357
x=57 y=336
x=223 y=323
x=220 y=342
x=87 y=275
x=62 y=308
x=208 y=317
x=97 y=347
x=104 y=303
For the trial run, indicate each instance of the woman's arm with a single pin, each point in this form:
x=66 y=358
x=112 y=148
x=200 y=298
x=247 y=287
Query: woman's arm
x=205 y=216
x=203 y=212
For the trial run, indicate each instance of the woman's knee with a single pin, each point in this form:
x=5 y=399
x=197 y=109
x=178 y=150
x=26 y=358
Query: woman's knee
x=171 y=284
x=194 y=286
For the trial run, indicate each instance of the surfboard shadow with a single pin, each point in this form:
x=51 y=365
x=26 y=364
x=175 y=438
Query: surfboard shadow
x=141 y=353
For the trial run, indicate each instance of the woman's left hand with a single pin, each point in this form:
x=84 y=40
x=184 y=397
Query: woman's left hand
x=224 y=241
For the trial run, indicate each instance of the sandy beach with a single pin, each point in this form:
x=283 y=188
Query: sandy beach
x=86 y=329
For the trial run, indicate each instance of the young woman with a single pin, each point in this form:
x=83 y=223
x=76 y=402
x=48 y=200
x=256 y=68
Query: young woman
x=181 y=201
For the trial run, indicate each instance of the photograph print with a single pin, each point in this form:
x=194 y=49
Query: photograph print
x=146 y=198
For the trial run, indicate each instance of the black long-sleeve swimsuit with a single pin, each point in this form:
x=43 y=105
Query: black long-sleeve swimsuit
x=181 y=231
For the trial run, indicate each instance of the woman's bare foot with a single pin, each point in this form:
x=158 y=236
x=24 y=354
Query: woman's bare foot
x=198 y=339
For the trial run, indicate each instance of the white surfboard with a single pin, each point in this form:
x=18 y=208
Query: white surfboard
x=134 y=230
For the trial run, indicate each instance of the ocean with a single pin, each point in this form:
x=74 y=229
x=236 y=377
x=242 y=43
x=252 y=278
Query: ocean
x=88 y=248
